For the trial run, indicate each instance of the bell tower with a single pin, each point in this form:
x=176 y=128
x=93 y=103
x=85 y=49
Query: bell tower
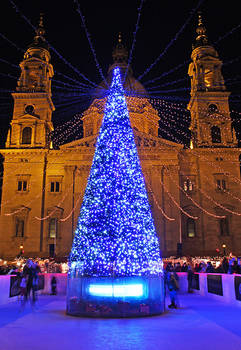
x=32 y=114
x=211 y=124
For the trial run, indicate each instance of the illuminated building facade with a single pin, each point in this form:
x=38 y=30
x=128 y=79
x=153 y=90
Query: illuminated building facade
x=194 y=193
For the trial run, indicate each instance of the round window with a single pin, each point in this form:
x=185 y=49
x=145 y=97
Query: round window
x=212 y=107
x=29 y=109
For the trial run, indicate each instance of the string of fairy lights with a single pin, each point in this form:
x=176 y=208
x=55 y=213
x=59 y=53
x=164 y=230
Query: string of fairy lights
x=134 y=40
x=78 y=9
x=172 y=41
x=17 y=9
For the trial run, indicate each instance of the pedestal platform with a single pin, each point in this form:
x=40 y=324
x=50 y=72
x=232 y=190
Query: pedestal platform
x=115 y=297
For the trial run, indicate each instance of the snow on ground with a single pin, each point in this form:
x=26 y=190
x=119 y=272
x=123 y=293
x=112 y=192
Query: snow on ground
x=199 y=324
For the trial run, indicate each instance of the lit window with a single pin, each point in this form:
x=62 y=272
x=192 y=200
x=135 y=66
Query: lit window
x=22 y=186
x=53 y=227
x=208 y=77
x=19 y=228
x=54 y=186
x=191 y=228
x=221 y=184
x=188 y=185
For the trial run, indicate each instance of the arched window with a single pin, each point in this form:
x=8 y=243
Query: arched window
x=26 y=136
x=191 y=232
x=216 y=134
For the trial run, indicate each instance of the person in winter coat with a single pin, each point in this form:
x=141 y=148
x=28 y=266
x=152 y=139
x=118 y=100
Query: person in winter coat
x=173 y=286
x=190 y=274
x=30 y=272
x=210 y=268
x=53 y=286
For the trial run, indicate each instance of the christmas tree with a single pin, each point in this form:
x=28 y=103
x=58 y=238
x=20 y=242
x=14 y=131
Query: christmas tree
x=115 y=234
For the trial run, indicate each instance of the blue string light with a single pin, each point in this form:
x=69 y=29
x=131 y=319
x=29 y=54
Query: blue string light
x=115 y=233
x=11 y=42
x=89 y=40
x=171 y=42
x=134 y=39
x=53 y=49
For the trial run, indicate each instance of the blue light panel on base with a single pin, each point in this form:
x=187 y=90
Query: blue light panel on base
x=116 y=290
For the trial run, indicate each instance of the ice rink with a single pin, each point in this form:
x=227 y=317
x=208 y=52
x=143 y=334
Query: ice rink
x=199 y=324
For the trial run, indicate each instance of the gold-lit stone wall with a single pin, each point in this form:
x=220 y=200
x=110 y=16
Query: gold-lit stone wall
x=162 y=162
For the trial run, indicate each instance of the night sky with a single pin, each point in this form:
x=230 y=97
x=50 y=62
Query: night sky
x=159 y=22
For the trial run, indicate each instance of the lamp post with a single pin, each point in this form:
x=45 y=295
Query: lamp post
x=21 y=250
x=224 y=249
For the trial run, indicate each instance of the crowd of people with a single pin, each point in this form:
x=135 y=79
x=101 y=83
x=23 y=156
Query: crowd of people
x=229 y=265
x=46 y=266
x=28 y=272
x=223 y=265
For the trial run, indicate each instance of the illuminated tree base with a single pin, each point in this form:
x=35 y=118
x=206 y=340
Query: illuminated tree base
x=115 y=297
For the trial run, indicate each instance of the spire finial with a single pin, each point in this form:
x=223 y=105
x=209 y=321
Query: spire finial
x=120 y=53
x=119 y=38
x=200 y=20
x=40 y=31
x=201 y=39
x=39 y=39
x=41 y=20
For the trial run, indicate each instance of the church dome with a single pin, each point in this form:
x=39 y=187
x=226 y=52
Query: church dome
x=39 y=48
x=131 y=86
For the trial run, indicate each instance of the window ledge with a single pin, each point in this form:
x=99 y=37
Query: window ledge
x=19 y=237
x=221 y=190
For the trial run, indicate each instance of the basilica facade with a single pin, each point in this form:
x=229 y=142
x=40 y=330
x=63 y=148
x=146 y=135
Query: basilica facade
x=194 y=193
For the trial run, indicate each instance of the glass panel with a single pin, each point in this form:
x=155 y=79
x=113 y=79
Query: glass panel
x=115 y=297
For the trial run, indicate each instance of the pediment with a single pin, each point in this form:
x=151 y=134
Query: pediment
x=30 y=117
x=142 y=140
